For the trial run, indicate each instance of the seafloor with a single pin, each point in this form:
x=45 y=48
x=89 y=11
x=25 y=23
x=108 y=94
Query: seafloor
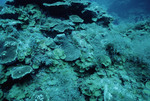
x=70 y=50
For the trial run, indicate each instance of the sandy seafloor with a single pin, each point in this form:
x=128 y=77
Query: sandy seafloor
x=72 y=50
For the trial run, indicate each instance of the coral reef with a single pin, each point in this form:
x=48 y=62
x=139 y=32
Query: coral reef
x=70 y=50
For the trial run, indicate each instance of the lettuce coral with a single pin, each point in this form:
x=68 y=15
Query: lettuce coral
x=20 y=71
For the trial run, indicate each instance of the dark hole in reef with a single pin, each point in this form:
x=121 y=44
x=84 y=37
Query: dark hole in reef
x=5 y=99
x=103 y=66
x=62 y=11
x=110 y=49
x=51 y=34
x=10 y=82
x=86 y=73
x=7 y=85
x=25 y=2
x=91 y=70
x=14 y=63
x=87 y=16
x=58 y=11
x=103 y=21
x=9 y=16
x=87 y=98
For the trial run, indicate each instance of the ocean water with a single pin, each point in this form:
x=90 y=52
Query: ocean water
x=2 y=2
x=74 y=50
x=128 y=10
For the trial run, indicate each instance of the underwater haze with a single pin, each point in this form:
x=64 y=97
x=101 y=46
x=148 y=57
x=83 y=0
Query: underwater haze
x=2 y=2
x=74 y=50
x=129 y=10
